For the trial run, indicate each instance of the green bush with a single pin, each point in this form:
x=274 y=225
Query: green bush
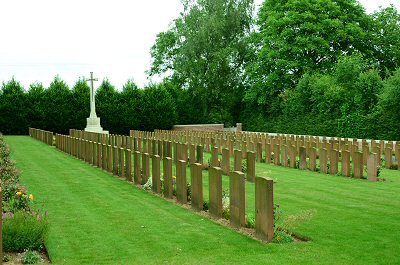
x=23 y=231
x=8 y=172
x=30 y=257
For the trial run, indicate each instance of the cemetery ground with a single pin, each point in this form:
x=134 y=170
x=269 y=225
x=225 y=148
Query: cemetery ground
x=96 y=218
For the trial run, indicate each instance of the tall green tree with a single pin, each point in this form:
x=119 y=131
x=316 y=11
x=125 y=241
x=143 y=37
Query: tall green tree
x=13 y=109
x=388 y=113
x=56 y=100
x=36 y=108
x=299 y=36
x=131 y=99
x=108 y=107
x=384 y=35
x=80 y=104
x=204 y=51
x=158 y=108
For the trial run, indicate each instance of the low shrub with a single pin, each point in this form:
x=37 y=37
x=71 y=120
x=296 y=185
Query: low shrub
x=20 y=201
x=30 y=257
x=23 y=230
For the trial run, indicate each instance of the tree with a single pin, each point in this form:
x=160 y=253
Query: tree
x=108 y=107
x=203 y=52
x=80 y=104
x=384 y=36
x=36 y=106
x=388 y=111
x=131 y=99
x=158 y=108
x=56 y=100
x=300 y=36
x=13 y=109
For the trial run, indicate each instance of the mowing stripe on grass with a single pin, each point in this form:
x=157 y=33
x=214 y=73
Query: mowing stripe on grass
x=98 y=219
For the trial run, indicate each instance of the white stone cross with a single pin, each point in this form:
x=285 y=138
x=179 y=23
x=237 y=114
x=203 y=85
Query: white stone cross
x=92 y=96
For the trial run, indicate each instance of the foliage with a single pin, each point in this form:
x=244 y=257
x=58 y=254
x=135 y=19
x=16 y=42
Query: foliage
x=225 y=204
x=203 y=52
x=57 y=100
x=157 y=108
x=9 y=174
x=24 y=230
x=250 y=221
x=30 y=257
x=384 y=35
x=20 y=201
x=389 y=107
x=297 y=37
x=13 y=118
x=281 y=236
x=7 y=258
x=80 y=103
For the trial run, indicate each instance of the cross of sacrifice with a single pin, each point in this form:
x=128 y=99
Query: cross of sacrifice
x=92 y=96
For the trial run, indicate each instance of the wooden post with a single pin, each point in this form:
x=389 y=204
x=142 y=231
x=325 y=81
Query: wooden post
x=199 y=155
x=237 y=160
x=128 y=157
x=214 y=157
x=167 y=171
x=358 y=165
x=284 y=155
x=277 y=154
x=109 y=156
x=388 y=157
x=293 y=156
x=334 y=161
x=104 y=158
x=215 y=191
x=115 y=160
x=251 y=166
x=145 y=168
x=372 y=167
x=237 y=199
x=181 y=183
x=264 y=208
x=137 y=176
x=121 y=171
x=99 y=155
x=323 y=160
x=346 y=163
x=267 y=153
x=313 y=158
x=197 y=186
x=192 y=154
x=226 y=161
x=155 y=176
x=259 y=152
x=303 y=158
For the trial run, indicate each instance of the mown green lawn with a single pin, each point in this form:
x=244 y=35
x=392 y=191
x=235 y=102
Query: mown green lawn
x=99 y=219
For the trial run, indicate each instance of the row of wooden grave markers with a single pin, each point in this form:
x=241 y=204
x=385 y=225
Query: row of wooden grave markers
x=285 y=152
x=256 y=142
x=176 y=150
x=118 y=161
x=41 y=135
x=300 y=153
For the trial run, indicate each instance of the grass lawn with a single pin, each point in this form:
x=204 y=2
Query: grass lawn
x=99 y=219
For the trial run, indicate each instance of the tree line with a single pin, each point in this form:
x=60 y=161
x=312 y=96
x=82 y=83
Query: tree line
x=59 y=108
x=322 y=67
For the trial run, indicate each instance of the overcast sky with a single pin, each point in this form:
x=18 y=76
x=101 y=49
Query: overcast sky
x=43 y=38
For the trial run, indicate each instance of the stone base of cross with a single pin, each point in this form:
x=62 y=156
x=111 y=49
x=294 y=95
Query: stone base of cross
x=93 y=125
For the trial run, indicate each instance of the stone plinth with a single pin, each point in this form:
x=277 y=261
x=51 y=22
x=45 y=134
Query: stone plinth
x=93 y=125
